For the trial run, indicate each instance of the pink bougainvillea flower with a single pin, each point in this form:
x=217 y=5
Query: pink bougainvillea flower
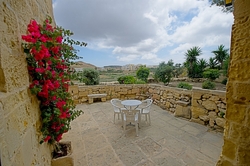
x=53 y=98
x=60 y=104
x=49 y=71
x=63 y=115
x=33 y=26
x=43 y=38
x=55 y=49
x=59 y=137
x=40 y=70
x=47 y=138
x=59 y=39
x=49 y=62
x=49 y=27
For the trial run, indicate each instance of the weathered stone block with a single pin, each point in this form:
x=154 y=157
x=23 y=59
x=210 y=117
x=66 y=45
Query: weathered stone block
x=181 y=111
x=229 y=149
x=83 y=93
x=204 y=118
x=182 y=103
x=237 y=112
x=209 y=105
x=73 y=89
x=220 y=122
x=212 y=115
x=197 y=121
x=214 y=98
x=197 y=111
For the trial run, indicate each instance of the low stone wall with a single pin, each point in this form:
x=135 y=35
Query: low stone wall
x=209 y=107
x=206 y=107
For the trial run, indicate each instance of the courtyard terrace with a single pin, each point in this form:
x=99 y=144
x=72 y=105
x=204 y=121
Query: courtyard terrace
x=96 y=140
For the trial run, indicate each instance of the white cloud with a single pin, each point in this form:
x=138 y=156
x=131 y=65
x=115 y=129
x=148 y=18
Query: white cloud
x=138 y=30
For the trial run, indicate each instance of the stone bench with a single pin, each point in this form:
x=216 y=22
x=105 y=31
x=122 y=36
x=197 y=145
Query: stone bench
x=102 y=96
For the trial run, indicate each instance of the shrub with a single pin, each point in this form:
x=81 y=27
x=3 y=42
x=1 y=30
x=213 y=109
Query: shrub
x=126 y=79
x=49 y=52
x=184 y=85
x=138 y=81
x=211 y=74
x=224 y=81
x=91 y=77
x=143 y=73
x=208 y=85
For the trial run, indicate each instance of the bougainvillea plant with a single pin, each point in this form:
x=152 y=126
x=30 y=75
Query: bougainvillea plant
x=49 y=53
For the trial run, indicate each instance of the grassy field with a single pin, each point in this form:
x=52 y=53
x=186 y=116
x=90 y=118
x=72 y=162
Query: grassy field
x=114 y=75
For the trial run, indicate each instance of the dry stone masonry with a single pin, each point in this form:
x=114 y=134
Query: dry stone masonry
x=207 y=107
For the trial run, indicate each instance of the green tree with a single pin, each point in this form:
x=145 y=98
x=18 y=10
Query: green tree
x=164 y=73
x=221 y=54
x=212 y=63
x=191 y=60
x=202 y=63
x=90 y=77
x=143 y=73
x=221 y=3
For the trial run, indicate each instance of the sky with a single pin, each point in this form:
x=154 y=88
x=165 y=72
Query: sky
x=120 y=32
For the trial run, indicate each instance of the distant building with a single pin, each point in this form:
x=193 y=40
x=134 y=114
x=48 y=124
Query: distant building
x=113 y=67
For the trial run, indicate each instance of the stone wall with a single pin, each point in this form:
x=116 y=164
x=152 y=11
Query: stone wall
x=236 y=148
x=206 y=107
x=209 y=107
x=19 y=110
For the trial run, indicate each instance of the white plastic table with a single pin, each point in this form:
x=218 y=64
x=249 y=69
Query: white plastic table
x=131 y=104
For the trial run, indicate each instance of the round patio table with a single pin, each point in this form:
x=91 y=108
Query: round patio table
x=131 y=104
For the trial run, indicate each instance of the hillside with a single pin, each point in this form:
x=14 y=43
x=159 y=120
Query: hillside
x=80 y=64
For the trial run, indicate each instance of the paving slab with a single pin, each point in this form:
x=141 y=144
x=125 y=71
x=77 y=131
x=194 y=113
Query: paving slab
x=169 y=141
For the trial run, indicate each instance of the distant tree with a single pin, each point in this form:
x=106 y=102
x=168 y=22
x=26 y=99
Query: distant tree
x=170 y=63
x=90 y=77
x=164 y=73
x=143 y=73
x=221 y=3
x=202 y=63
x=178 y=69
x=191 y=60
x=212 y=63
x=221 y=54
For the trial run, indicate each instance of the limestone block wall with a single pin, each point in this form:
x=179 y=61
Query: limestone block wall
x=207 y=107
x=236 y=148
x=19 y=110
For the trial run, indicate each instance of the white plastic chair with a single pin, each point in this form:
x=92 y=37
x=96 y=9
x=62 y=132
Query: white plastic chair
x=131 y=117
x=145 y=110
x=116 y=103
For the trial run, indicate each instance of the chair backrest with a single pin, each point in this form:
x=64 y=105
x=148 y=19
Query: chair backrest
x=116 y=103
x=148 y=105
x=130 y=116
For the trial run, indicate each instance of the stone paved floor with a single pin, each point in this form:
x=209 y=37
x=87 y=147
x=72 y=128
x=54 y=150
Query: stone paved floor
x=169 y=141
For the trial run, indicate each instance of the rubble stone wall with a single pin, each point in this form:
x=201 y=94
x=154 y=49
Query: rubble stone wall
x=207 y=107
x=19 y=110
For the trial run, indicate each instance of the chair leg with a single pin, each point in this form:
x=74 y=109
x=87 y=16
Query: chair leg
x=149 y=119
x=136 y=129
x=114 y=117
